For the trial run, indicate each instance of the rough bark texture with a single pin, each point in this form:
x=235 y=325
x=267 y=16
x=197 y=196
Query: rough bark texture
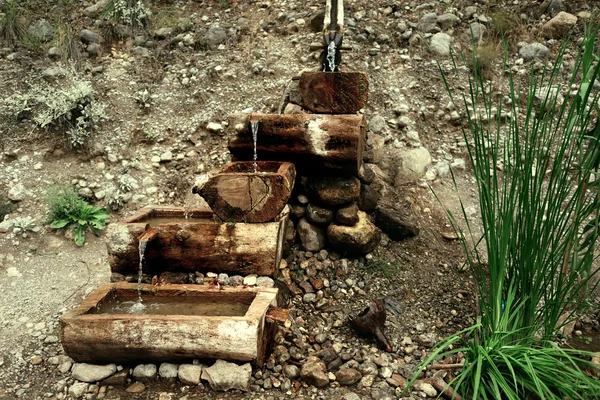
x=97 y=338
x=334 y=92
x=238 y=192
x=195 y=244
x=312 y=142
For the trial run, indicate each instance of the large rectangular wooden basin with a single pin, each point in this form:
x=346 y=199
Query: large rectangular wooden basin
x=91 y=334
x=190 y=240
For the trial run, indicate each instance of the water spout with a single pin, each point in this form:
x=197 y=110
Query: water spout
x=143 y=240
x=254 y=129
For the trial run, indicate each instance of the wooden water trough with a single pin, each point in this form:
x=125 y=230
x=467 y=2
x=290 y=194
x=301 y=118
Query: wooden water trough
x=189 y=240
x=249 y=191
x=198 y=322
x=315 y=143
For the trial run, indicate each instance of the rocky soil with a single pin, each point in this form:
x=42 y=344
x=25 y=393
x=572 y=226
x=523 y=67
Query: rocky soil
x=167 y=91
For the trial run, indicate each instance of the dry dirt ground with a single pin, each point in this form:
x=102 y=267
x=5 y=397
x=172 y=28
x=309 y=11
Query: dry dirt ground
x=45 y=274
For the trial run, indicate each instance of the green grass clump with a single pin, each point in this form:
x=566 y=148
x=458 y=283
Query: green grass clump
x=11 y=23
x=67 y=209
x=540 y=218
x=377 y=266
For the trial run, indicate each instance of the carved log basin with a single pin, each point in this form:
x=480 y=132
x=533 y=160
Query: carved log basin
x=182 y=322
x=250 y=191
x=189 y=240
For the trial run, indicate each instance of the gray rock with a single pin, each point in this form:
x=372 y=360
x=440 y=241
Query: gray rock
x=377 y=124
x=395 y=221
x=42 y=29
x=314 y=372
x=189 y=374
x=223 y=376
x=319 y=215
x=93 y=49
x=17 y=192
x=425 y=388
x=140 y=51
x=476 y=31
x=94 y=11
x=87 y=36
x=533 y=51
x=559 y=26
x=347 y=376
x=163 y=33
x=144 y=371
x=311 y=236
x=428 y=23
x=370 y=195
x=374 y=148
x=410 y=165
x=215 y=36
x=358 y=240
x=54 y=73
x=447 y=21
x=78 y=389
x=351 y=396
x=54 y=53
x=92 y=373
x=440 y=44
x=265 y=281
x=243 y=23
x=470 y=11
x=168 y=371
x=380 y=394
x=291 y=371
x=347 y=215
x=551 y=7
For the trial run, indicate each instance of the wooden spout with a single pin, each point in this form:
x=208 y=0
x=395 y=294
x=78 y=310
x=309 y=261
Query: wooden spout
x=148 y=235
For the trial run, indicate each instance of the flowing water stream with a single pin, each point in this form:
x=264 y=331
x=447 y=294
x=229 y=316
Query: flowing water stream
x=254 y=128
x=138 y=307
x=331 y=55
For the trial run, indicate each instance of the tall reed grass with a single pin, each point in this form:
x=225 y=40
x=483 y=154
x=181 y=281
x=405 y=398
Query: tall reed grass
x=537 y=179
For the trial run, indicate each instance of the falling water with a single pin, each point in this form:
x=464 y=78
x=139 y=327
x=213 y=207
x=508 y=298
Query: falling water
x=331 y=55
x=254 y=127
x=138 y=307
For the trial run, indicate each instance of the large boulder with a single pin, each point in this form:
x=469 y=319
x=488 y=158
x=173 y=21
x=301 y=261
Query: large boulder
x=532 y=51
x=42 y=30
x=312 y=237
x=440 y=44
x=360 y=239
x=215 y=36
x=428 y=23
x=395 y=221
x=407 y=165
x=223 y=376
x=559 y=26
x=314 y=372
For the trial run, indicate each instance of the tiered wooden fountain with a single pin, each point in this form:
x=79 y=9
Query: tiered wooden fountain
x=242 y=234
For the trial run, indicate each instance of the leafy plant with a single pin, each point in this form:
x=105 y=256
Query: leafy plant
x=132 y=13
x=11 y=24
x=381 y=267
x=540 y=219
x=66 y=208
x=71 y=105
x=22 y=225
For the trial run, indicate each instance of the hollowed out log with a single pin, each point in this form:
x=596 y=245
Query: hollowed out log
x=239 y=192
x=313 y=142
x=198 y=243
x=334 y=92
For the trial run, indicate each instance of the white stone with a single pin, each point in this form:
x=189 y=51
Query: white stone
x=189 y=374
x=440 y=44
x=92 y=373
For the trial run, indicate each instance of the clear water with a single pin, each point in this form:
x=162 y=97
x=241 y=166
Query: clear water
x=175 y=305
x=331 y=55
x=138 y=307
x=254 y=128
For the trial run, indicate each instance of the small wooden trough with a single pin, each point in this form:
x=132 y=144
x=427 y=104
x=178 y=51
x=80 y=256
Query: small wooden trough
x=249 y=191
x=93 y=333
x=198 y=242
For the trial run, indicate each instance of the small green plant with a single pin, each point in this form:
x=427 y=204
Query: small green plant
x=71 y=105
x=144 y=99
x=65 y=41
x=22 y=225
x=504 y=24
x=382 y=267
x=540 y=217
x=132 y=13
x=483 y=58
x=67 y=209
x=11 y=24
